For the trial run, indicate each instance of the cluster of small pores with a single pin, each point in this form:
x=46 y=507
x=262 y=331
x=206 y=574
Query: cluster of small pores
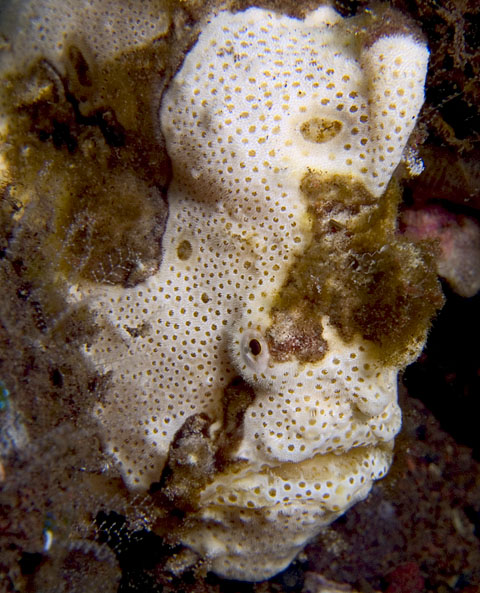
x=305 y=100
x=45 y=28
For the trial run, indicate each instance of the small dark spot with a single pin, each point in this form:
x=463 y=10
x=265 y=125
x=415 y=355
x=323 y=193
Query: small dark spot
x=30 y=561
x=93 y=385
x=23 y=292
x=184 y=250
x=227 y=586
x=80 y=66
x=155 y=487
x=335 y=226
x=421 y=432
x=39 y=317
x=255 y=347
x=347 y=7
x=18 y=266
x=178 y=514
x=112 y=130
x=43 y=136
x=292 y=578
x=431 y=458
x=56 y=378
x=138 y=332
x=135 y=550
x=473 y=515
x=61 y=136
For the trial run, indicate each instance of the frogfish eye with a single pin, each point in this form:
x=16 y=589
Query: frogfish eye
x=254 y=351
x=255 y=347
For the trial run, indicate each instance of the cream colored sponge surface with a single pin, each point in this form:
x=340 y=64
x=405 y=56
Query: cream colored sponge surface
x=261 y=102
x=277 y=96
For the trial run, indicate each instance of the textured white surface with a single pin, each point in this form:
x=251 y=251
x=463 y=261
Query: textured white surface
x=255 y=78
x=260 y=100
x=45 y=28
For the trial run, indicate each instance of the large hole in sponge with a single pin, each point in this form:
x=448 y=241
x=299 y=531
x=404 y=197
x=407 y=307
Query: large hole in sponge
x=184 y=250
x=320 y=129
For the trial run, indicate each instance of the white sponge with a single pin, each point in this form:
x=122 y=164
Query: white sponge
x=260 y=101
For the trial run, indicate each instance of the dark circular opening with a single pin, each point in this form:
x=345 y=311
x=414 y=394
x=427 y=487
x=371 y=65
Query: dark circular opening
x=184 y=250
x=255 y=347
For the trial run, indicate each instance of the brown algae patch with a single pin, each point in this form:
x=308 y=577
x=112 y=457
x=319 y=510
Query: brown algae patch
x=86 y=169
x=369 y=280
x=320 y=129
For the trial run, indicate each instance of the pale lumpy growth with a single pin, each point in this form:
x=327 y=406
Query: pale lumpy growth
x=277 y=509
x=346 y=400
x=46 y=28
x=280 y=95
x=261 y=101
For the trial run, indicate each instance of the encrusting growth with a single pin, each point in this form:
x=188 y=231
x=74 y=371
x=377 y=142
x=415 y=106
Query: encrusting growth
x=285 y=304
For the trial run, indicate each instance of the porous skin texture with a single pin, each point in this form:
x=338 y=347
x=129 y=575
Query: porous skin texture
x=283 y=137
